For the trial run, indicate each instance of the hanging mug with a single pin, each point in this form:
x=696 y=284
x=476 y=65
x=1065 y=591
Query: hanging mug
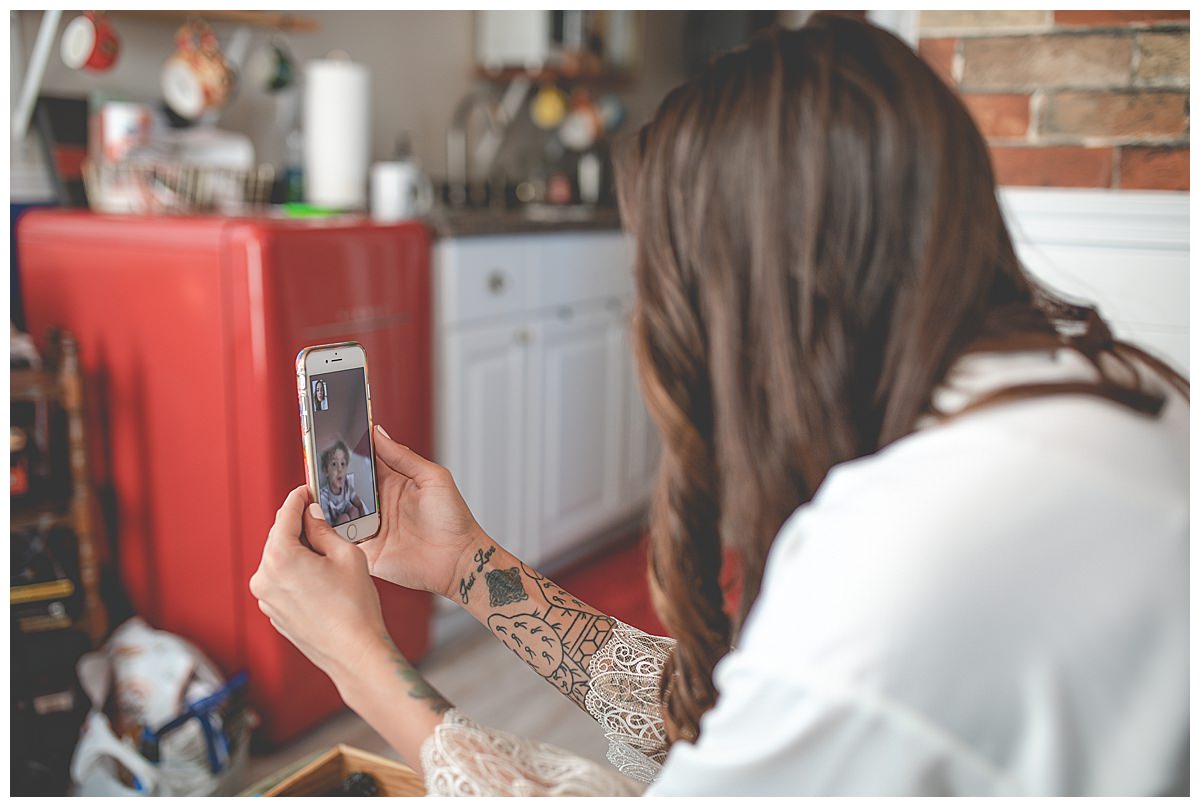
x=89 y=43
x=196 y=78
x=272 y=67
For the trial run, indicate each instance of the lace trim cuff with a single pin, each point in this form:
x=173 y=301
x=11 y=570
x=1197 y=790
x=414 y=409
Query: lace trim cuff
x=462 y=758
x=623 y=698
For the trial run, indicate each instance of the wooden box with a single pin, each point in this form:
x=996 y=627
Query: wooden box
x=323 y=774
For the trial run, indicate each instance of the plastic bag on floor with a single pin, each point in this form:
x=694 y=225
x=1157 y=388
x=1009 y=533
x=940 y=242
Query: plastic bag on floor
x=177 y=729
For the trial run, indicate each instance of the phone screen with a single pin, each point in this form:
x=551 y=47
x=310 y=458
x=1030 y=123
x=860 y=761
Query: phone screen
x=345 y=462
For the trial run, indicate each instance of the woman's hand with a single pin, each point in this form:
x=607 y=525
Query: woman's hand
x=322 y=599
x=425 y=528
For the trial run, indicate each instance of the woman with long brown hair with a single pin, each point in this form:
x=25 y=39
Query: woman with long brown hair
x=956 y=508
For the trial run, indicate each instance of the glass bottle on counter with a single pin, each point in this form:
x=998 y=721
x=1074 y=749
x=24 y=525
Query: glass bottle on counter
x=294 y=167
x=560 y=167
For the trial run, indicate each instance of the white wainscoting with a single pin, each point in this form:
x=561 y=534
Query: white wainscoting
x=1124 y=251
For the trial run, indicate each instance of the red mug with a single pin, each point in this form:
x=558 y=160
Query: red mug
x=89 y=43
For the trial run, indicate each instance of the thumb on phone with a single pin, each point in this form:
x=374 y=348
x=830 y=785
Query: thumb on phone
x=321 y=536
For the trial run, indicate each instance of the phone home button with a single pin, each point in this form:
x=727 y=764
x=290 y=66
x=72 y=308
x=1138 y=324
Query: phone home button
x=352 y=532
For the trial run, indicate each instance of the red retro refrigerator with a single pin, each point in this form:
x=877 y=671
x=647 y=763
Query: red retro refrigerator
x=188 y=329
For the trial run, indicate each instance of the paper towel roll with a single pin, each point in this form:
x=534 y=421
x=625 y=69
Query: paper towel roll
x=337 y=133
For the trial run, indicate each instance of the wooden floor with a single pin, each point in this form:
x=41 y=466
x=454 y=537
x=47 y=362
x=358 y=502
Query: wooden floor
x=485 y=681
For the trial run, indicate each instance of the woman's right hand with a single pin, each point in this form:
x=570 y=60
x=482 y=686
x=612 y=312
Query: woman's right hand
x=425 y=527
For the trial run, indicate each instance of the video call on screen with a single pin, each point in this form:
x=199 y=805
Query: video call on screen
x=344 y=459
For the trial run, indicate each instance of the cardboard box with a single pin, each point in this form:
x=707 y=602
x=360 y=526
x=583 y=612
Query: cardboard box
x=323 y=774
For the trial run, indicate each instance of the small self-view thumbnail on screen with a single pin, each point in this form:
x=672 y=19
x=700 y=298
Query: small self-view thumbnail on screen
x=344 y=461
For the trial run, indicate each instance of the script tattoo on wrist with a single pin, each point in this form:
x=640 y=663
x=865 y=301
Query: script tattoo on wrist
x=419 y=688
x=467 y=583
x=549 y=630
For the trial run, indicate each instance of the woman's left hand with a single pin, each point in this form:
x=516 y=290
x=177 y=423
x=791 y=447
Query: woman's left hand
x=323 y=599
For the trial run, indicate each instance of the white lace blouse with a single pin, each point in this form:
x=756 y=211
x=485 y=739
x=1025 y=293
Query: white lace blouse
x=998 y=605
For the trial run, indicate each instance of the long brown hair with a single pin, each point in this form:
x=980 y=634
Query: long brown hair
x=818 y=241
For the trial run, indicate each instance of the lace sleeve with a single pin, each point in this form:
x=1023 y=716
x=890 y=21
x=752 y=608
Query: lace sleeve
x=623 y=698
x=462 y=758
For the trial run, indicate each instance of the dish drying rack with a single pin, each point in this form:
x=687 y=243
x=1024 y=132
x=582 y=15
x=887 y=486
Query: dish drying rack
x=158 y=186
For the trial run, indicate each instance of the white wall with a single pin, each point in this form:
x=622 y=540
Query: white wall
x=1127 y=252
x=421 y=62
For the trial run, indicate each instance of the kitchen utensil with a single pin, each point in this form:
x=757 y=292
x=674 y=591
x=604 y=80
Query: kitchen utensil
x=90 y=43
x=549 y=107
x=611 y=111
x=558 y=189
x=589 y=178
x=272 y=67
x=580 y=129
x=197 y=77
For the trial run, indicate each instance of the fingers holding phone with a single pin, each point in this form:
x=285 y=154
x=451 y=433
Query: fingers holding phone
x=322 y=599
x=406 y=462
x=426 y=526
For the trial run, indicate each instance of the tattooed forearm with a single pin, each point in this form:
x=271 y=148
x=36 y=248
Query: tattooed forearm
x=419 y=688
x=551 y=631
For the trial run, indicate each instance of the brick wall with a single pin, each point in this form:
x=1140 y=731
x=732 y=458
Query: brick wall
x=1094 y=99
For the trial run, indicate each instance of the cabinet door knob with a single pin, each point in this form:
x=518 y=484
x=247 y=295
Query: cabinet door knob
x=521 y=337
x=496 y=281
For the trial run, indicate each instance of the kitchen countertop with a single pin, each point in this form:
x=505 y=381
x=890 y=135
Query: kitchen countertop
x=448 y=223
x=445 y=223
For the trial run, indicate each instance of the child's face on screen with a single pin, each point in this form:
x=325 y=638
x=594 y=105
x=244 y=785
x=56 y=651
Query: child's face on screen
x=335 y=471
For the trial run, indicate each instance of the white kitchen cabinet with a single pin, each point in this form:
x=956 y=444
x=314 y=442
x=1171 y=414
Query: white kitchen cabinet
x=579 y=384
x=513 y=38
x=642 y=448
x=537 y=39
x=537 y=412
x=484 y=433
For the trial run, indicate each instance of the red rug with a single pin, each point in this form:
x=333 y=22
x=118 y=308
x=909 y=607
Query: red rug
x=614 y=583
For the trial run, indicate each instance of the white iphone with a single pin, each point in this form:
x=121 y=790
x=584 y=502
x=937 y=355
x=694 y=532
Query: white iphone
x=336 y=427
